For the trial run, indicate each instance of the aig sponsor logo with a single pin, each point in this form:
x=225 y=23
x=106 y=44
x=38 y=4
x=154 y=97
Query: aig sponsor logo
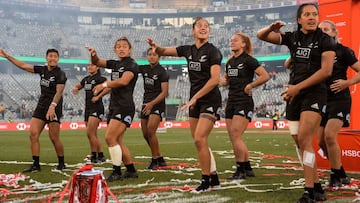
x=45 y=82
x=195 y=66
x=303 y=52
x=149 y=81
x=350 y=153
x=233 y=72
x=88 y=86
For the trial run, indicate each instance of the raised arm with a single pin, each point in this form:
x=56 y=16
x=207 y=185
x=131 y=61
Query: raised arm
x=162 y=51
x=209 y=85
x=18 y=63
x=271 y=33
x=100 y=62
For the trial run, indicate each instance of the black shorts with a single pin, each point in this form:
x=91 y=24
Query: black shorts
x=339 y=109
x=245 y=109
x=124 y=115
x=314 y=100
x=40 y=113
x=213 y=108
x=158 y=109
x=96 y=112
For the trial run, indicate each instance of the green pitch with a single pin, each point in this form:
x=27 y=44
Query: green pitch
x=278 y=173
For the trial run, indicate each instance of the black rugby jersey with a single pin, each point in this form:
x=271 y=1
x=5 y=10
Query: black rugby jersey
x=153 y=77
x=88 y=83
x=199 y=64
x=122 y=97
x=48 y=82
x=344 y=58
x=240 y=71
x=306 y=50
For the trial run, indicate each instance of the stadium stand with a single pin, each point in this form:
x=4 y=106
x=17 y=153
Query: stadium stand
x=29 y=31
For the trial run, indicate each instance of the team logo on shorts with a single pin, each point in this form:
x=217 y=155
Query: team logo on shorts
x=128 y=119
x=250 y=114
x=348 y=117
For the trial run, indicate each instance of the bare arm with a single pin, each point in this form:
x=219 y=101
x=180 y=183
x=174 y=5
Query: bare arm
x=327 y=61
x=50 y=115
x=120 y=82
x=340 y=84
x=262 y=78
x=18 y=63
x=271 y=33
x=287 y=63
x=162 y=51
x=101 y=94
x=209 y=85
x=100 y=62
x=224 y=80
x=163 y=94
x=76 y=89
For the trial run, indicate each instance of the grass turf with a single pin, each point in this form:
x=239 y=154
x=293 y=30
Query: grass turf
x=278 y=174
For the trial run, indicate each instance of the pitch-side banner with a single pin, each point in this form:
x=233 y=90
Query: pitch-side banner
x=349 y=148
x=168 y=124
x=346 y=16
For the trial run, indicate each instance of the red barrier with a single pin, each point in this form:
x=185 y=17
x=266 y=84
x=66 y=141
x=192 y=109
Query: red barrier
x=350 y=151
x=168 y=124
x=345 y=14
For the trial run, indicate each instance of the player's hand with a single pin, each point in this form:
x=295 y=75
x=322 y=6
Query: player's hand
x=75 y=90
x=152 y=43
x=94 y=99
x=3 y=53
x=91 y=50
x=190 y=104
x=276 y=26
x=248 y=89
x=97 y=89
x=290 y=92
x=339 y=85
x=51 y=115
x=146 y=108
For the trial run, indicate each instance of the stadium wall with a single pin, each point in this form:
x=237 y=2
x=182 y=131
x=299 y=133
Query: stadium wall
x=345 y=14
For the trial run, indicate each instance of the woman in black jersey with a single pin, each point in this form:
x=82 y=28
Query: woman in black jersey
x=312 y=56
x=49 y=107
x=338 y=105
x=122 y=108
x=204 y=61
x=156 y=85
x=94 y=110
x=239 y=74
